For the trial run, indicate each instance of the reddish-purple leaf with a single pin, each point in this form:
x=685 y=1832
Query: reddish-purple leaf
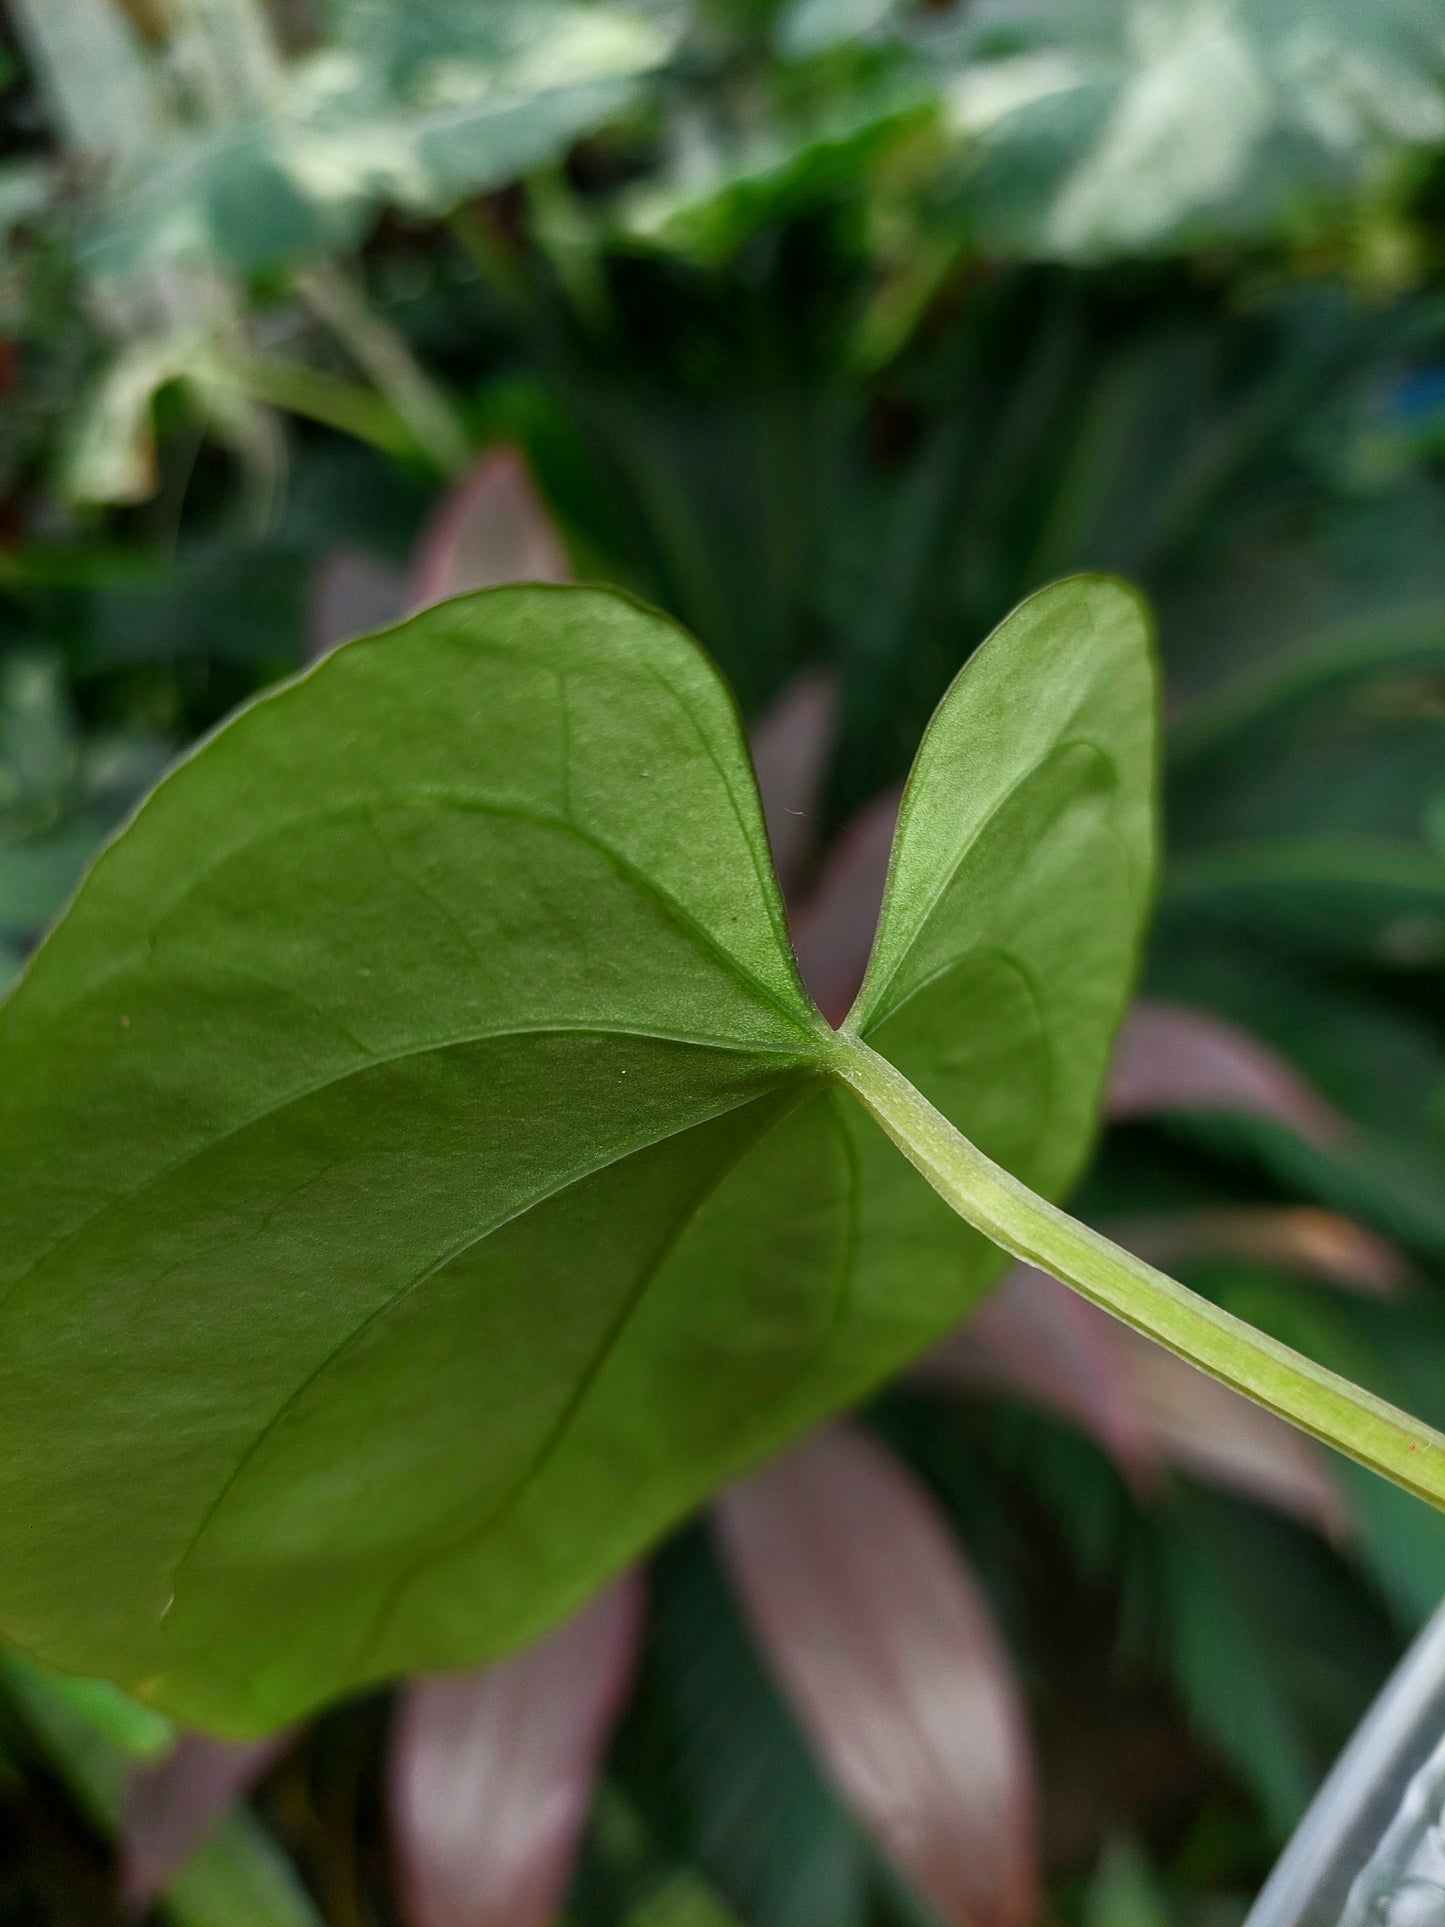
x=492 y=1771
x=1223 y=1439
x=791 y=746
x=833 y=934
x=1300 y=1238
x=491 y=528
x=1140 y=1403
x=1035 y=1337
x=1173 y=1058
x=878 y=1633
x=173 y=1806
x=352 y=594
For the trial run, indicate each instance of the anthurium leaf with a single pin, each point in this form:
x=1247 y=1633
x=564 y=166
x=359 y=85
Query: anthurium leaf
x=423 y=1176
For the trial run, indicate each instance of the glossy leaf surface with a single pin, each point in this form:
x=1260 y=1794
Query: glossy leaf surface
x=421 y=1183
x=492 y=1772
x=885 y=1647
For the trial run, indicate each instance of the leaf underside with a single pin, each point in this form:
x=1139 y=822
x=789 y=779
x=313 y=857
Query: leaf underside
x=422 y=1183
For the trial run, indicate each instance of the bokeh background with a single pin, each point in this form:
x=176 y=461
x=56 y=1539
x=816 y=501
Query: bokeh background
x=832 y=327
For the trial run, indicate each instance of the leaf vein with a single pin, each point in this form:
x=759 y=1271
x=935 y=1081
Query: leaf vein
x=880 y=1015
x=379 y=1062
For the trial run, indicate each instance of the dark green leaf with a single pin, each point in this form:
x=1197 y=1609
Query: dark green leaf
x=1272 y=1645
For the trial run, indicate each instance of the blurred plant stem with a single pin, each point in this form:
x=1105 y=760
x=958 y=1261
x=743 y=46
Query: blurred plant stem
x=334 y=298
x=333 y=402
x=94 y=76
x=478 y=236
x=228 y=48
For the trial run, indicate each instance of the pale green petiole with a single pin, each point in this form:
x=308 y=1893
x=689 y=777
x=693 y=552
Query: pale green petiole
x=1320 y=1403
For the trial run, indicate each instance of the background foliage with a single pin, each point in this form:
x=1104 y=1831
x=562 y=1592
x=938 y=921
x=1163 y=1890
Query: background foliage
x=832 y=327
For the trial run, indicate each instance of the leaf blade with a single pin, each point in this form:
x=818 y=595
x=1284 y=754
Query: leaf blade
x=1055 y=719
x=436 y=1032
x=875 y=1627
x=252 y=1053
x=491 y=1772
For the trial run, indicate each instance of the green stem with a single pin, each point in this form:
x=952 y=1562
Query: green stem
x=488 y=254
x=381 y=352
x=1328 y=1407
x=325 y=398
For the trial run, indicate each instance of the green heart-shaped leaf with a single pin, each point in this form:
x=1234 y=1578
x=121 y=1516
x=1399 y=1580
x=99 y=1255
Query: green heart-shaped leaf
x=424 y=1173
